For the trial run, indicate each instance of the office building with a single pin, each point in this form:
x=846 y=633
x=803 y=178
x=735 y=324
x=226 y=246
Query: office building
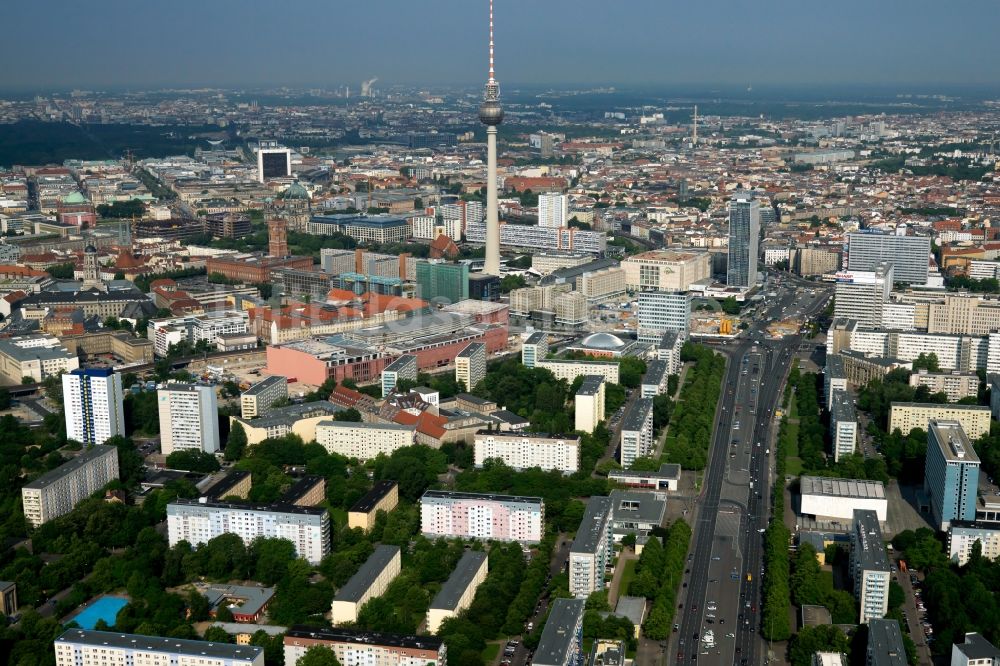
x=35 y=356
x=361 y=647
x=885 y=644
x=257 y=400
x=603 y=286
x=535 y=348
x=553 y=210
x=910 y=255
x=404 y=367
x=58 y=491
x=442 y=281
x=835 y=500
x=654 y=382
x=371 y=580
x=199 y=521
x=951 y=473
x=974 y=651
x=636 y=512
x=526 y=450
x=588 y=404
x=8 y=598
x=861 y=295
x=906 y=416
x=189 y=418
x=482 y=516
x=459 y=590
x=843 y=425
x=571 y=369
x=384 y=496
x=660 y=312
x=955 y=385
x=637 y=432
x=962 y=537
x=92 y=401
x=870 y=568
x=744 y=237
x=82 y=647
x=807 y=261
x=470 y=365
x=561 y=643
x=363 y=441
x=666 y=270
x=668 y=477
x=273 y=161
x=592 y=549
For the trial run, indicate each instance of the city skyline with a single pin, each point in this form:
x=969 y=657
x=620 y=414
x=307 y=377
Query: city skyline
x=645 y=43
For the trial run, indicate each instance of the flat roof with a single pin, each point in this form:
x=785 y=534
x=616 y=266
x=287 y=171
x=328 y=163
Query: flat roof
x=952 y=441
x=85 y=458
x=459 y=580
x=635 y=417
x=301 y=487
x=842 y=407
x=666 y=471
x=885 y=643
x=359 y=583
x=401 y=362
x=471 y=349
x=373 y=496
x=290 y=414
x=656 y=370
x=227 y=482
x=264 y=508
x=633 y=608
x=832 y=487
x=486 y=497
x=363 y=637
x=474 y=399
x=593 y=525
x=253 y=598
x=543 y=437
x=559 y=633
x=160 y=644
x=536 y=338
x=934 y=405
x=871 y=555
x=333 y=423
x=637 y=506
x=591 y=385
x=265 y=384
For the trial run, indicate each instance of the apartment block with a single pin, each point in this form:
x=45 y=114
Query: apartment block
x=843 y=424
x=257 y=400
x=535 y=348
x=58 y=491
x=363 y=441
x=974 y=651
x=459 y=590
x=963 y=536
x=371 y=580
x=592 y=549
x=570 y=370
x=404 y=367
x=299 y=418
x=8 y=598
x=668 y=349
x=637 y=432
x=906 y=416
x=561 y=643
x=199 y=521
x=654 y=382
x=956 y=385
x=526 y=450
x=951 y=473
x=82 y=647
x=93 y=404
x=189 y=418
x=360 y=647
x=482 y=516
x=588 y=404
x=470 y=365
x=870 y=568
x=885 y=644
x=384 y=496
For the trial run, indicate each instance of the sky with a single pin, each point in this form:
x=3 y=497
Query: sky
x=102 y=44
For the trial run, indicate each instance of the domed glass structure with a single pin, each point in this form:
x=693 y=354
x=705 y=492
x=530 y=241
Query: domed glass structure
x=603 y=341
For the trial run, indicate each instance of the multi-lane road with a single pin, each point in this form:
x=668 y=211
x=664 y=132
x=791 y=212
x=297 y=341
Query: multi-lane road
x=722 y=592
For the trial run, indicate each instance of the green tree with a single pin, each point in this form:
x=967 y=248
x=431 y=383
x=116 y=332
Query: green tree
x=730 y=305
x=193 y=461
x=812 y=639
x=318 y=655
x=236 y=443
x=511 y=282
x=217 y=635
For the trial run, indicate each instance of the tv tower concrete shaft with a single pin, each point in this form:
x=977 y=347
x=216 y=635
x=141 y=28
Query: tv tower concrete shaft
x=491 y=115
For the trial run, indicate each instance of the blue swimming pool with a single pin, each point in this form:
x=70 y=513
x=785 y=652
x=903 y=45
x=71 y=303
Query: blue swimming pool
x=105 y=608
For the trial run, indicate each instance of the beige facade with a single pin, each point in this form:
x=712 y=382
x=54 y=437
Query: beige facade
x=459 y=590
x=666 y=270
x=570 y=370
x=964 y=314
x=906 y=416
x=257 y=400
x=956 y=385
x=383 y=497
x=571 y=309
x=524 y=451
x=815 y=261
x=603 y=286
x=37 y=357
x=118 y=343
x=55 y=493
x=363 y=441
x=589 y=404
x=529 y=299
x=369 y=582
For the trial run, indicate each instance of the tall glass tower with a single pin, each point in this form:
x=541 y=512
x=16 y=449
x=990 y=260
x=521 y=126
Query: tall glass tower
x=744 y=238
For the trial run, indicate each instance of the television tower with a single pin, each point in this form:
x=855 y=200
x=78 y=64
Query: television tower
x=694 y=128
x=491 y=115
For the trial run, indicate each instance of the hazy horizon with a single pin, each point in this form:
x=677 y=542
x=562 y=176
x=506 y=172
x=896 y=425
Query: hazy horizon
x=116 y=44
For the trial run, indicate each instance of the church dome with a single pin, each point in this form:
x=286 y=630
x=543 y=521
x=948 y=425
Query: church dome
x=295 y=191
x=75 y=198
x=604 y=341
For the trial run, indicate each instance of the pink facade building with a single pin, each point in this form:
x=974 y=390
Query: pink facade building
x=481 y=516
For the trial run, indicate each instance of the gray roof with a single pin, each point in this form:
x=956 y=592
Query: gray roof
x=869 y=548
x=364 y=637
x=302 y=487
x=559 y=634
x=669 y=339
x=885 y=643
x=842 y=407
x=977 y=647
x=633 y=608
x=536 y=338
x=593 y=527
x=635 y=417
x=472 y=348
x=287 y=416
x=359 y=583
x=656 y=372
x=402 y=362
x=22 y=354
x=373 y=496
x=952 y=441
x=85 y=458
x=265 y=384
x=459 y=581
x=591 y=385
x=229 y=481
x=571 y=273
x=666 y=471
x=509 y=417
x=636 y=506
x=181 y=505
x=253 y=598
x=487 y=497
x=159 y=644
x=366 y=426
x=858 y=489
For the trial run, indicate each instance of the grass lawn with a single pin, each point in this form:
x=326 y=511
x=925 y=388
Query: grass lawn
x=338 y=515
x=793 y=466
x=628 y=573
x=793 y=439
x=489 y=654
x=793 y=409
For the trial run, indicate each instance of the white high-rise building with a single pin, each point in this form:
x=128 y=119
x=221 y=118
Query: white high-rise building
x=189 y=418
x=56 y=492
x=592 y=549
x=869 y=566
x=553 y=210
x=661 y=311
x=861 y=295
x=93 y=405
x=637 y=432
x=82 y=647
x=470 y=365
